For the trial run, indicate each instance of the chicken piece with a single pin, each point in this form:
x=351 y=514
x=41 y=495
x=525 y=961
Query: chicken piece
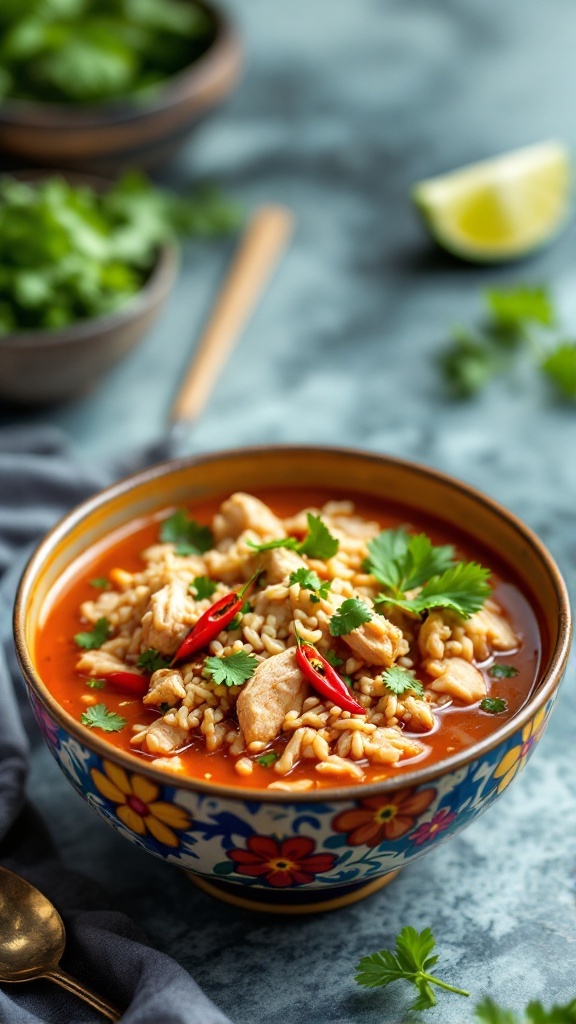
x=163 y=739
x=377 y=642
x=244 y=512
x=490 y=631
x=421 y=717
x=169 y=617
x=276 y=688
x=166 y=687
x=234 y=561
x=279 y=563
x=100 y=663
x=459 y=679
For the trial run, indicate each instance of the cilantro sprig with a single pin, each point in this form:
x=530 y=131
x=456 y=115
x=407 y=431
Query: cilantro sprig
x=318 y=542
x=309 y=580
x=411 y=961
x=500 y=671
x=203 y=587
x=463 y=589
x=401 y=561
x=232 y=669
x=401 y=680
x=488 y=1012
x=494 y=705
x=97 y=716
x=93 y=638
x=351 y=614
x=189 y=536
x=151 y=661
x=268 y=759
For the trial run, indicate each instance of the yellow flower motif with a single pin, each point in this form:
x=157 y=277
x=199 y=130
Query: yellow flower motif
x=137 y=804
x=515 y=759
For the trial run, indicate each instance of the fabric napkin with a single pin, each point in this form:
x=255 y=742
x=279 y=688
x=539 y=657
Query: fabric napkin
x=40 y=480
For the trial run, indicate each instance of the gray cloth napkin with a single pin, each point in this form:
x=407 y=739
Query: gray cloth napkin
x=39 y=481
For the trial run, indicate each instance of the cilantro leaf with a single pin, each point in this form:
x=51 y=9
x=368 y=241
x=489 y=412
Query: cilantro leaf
x=463 y=589
x=536 y=1014
x=95 y=637
x=333 y=659
x=494 y=705
x=98 y=717
x=400 y=561
x=410 y=961
x=488 y=1012
x=351 y=614
x=502 y=671
x=402 y=680
x=468 y=363
x=101 y=583
x=232 y=669
x=559 y=367
x=517 y=306
x=267 y=759
x=151 y=661
x=318 y=542
x=236 y=622
x=203 y=587
x=309 y=580
x=189 y=536
x=96 y=684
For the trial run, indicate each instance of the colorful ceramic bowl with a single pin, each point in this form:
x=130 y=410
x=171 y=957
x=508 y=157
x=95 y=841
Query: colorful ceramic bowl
x=314 y=850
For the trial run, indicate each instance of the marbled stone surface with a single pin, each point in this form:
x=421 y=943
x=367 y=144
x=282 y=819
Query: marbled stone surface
x=342 y=106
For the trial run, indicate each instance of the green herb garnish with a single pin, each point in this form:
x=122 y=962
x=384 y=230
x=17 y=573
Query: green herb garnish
x=559 y=366
x=351 y=614
x=232 y=669
x=309 y=580
x=333 y=659
x=493 y=705
x=502 y=671
x=402 y=680
x=96 y=684
x=463 y=589
x=92 y=639
x=98 y=717
x=100 y=582
x=164 y=707
x=203 y=587
x=236 y=622
x=411 y=961
x=488 y=1012
x=267 y=759
x=151 y=661
x=189 y=536
x=318 y=542
x=401 y=561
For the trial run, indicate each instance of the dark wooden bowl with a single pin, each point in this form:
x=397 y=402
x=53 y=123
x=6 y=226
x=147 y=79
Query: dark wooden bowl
x=106 y=137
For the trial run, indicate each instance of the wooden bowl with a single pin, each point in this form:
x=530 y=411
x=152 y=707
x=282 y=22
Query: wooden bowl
x=211 y=823
x=108 y=136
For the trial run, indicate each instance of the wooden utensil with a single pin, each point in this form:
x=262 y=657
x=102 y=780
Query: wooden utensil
x=32 y=941
x=264 y=240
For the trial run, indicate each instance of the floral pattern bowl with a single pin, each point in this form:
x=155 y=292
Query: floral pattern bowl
x=316 y=850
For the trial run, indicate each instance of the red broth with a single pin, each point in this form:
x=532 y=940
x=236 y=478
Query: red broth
x=456 y=727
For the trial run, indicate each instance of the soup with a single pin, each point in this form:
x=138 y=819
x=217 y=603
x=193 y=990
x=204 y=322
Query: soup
x=289 y=641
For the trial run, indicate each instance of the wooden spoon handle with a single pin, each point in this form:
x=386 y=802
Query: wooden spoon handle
x=71 y=985
x=259 y=250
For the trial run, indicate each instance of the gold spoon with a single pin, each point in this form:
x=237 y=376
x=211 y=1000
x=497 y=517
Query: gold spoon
x=32 y=941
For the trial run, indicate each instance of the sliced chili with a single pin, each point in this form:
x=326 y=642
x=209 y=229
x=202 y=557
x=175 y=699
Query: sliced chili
x=212 y=622
x=324 y=678
x=129 y=682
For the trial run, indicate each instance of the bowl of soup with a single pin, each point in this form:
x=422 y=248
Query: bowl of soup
x=291 y=671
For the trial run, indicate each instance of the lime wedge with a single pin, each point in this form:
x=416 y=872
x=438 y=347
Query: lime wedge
x=501 y=208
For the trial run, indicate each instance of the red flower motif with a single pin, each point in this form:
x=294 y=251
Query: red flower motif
x=430 y=829
x=281 y=864
x=378 y=818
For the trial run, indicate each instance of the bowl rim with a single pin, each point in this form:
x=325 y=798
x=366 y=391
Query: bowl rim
x=358 y=791
x=125 y=109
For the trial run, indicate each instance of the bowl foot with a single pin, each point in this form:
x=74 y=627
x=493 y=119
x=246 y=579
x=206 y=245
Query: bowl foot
x=293 y=901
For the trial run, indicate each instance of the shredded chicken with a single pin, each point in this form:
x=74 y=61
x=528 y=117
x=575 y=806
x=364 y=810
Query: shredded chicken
x=170 y=615
x=276 y=688
x=166 y=687
x=458 y=678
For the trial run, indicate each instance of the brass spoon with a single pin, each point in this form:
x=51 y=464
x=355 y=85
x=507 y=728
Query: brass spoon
x=32 y=941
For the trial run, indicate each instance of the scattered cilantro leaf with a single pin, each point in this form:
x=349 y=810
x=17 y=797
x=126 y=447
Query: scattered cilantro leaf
x=267 y=759
x=96 y=684
x=309 y=580
x=559 y=367
x=203 y=587
x=401 y=680
x=333 y=659
x=232 y=669
x=93 y=638
x=101 y=583
x=318 y=542
x=493 y=705
x=516 y=307
x=410 y=961
x=488 y=1012
x=468 y=363
x=151 y=661
x=236 y=622
x=463 y=589
x=499 y=671
x=98 y=717
x=401 y=561
x=189 y=536
x=351 y=614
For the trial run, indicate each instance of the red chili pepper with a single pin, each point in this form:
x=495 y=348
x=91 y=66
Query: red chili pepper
x=325 y=679
x=130 y=682
x=212 y=622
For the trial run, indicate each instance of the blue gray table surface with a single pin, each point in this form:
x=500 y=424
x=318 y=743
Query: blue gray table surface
x=342 y=106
